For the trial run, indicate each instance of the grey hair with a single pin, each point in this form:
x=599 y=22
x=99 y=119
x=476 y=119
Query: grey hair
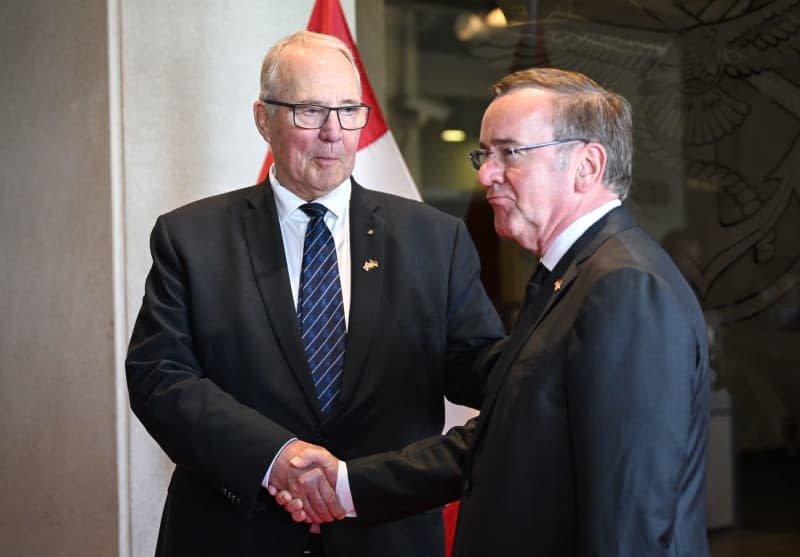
x=271 y=86
x=587 y=111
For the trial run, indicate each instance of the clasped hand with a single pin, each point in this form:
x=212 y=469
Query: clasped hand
x=303 y=482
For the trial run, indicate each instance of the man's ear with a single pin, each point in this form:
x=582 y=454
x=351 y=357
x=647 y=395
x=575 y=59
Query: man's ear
x=591 y=167
x=261 y=116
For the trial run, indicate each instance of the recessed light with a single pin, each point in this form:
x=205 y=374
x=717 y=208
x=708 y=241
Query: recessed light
x=453 y=136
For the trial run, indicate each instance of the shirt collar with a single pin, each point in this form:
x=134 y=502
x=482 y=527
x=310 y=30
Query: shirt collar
x=570 y=235
x=286 y=202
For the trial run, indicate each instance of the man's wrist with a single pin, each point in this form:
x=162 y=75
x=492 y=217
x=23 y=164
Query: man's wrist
x=343 y=490
x=265 y=481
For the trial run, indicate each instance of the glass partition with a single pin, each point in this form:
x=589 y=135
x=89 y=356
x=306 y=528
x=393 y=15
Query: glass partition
x=715 y=86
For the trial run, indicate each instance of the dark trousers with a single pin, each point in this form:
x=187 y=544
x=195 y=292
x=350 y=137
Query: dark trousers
x=314 y=547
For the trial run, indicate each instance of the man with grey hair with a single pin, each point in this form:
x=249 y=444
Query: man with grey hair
x=303 y=309
x=592 y=436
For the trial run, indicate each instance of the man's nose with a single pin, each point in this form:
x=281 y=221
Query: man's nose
x=332 y=129
x=491 y=172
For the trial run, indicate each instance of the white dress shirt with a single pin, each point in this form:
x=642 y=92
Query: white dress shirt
x=293 y=222
x=570 y=234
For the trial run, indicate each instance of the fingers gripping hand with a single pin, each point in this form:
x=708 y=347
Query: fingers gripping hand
x=303 y=481
x=290 y=504
x=317 y=496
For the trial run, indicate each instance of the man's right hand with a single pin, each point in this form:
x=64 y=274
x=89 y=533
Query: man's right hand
x=303 y=481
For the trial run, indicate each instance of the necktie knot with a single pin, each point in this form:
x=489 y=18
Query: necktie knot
x=540 y=274
x=314 y=210
x=534 y=287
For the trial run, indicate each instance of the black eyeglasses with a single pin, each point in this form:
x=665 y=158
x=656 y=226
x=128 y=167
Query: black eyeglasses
x=314 y=116
x=510 y=155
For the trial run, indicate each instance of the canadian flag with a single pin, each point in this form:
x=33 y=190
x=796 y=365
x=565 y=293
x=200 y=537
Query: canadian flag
x=379 y=163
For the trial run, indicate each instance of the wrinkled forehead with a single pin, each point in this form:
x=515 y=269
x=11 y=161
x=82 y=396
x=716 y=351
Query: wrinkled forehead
x=321 y=75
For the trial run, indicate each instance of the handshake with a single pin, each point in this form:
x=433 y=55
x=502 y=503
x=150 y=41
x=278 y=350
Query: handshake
x=303 y=482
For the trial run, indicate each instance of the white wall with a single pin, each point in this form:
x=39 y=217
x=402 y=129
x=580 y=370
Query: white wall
x=111 y=113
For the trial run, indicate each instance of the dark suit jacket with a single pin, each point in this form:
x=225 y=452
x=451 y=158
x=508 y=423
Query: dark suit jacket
x=217 y=373
x=592 y=436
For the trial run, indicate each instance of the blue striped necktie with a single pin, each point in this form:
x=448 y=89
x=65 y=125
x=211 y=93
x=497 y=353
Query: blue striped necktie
x=320 y=308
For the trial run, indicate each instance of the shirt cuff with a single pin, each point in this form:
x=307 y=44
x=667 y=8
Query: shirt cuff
x=343 y=490
x=265 y=481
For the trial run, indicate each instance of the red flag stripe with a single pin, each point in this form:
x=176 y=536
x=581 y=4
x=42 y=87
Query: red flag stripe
x=328 y=17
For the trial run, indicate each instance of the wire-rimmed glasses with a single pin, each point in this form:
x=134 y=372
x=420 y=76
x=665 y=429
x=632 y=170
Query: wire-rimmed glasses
x=510 y=155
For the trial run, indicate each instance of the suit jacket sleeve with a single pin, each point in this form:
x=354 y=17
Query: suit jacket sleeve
x=635 y=385
x=427 y=473
x=474 y=330
x=421 y=476
x=202 y=428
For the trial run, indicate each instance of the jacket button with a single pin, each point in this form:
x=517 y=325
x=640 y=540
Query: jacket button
x=466 y=486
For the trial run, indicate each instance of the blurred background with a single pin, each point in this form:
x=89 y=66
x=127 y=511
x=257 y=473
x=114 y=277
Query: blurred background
x=715 y=86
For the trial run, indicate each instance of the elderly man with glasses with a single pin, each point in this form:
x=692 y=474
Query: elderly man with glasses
x=305 y=309
x=592 y=436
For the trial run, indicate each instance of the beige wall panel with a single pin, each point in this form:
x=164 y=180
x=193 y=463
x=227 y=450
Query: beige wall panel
x=57 y=377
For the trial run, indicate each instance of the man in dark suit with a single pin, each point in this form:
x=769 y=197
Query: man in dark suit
x=592 y=437
x=217 y=370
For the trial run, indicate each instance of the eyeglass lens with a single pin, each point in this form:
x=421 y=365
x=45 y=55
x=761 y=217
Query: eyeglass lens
x=313 y=117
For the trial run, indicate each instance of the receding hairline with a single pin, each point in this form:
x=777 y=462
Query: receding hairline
x=309 y=41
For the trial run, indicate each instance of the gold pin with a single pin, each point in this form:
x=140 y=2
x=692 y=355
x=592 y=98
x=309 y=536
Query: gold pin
x=557 y=285
x=369 y=264
x=370 y=231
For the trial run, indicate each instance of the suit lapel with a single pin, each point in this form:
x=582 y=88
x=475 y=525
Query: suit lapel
x=265 y=244
x=367 y=250
x=554 y=288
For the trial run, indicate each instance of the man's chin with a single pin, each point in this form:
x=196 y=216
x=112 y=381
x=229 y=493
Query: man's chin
x=329 y=181
x=332 y=176
x=502 y=230
x=502 y=222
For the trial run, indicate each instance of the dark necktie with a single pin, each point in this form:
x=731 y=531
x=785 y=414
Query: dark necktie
x=534 y=287
x=320 y=308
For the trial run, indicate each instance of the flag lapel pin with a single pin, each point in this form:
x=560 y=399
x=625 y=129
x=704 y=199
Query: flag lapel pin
x=369 y=264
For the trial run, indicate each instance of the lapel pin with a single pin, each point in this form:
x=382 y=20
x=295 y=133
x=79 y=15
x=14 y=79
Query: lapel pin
x=369 y=264
x=557 y=285
x=370 y=231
